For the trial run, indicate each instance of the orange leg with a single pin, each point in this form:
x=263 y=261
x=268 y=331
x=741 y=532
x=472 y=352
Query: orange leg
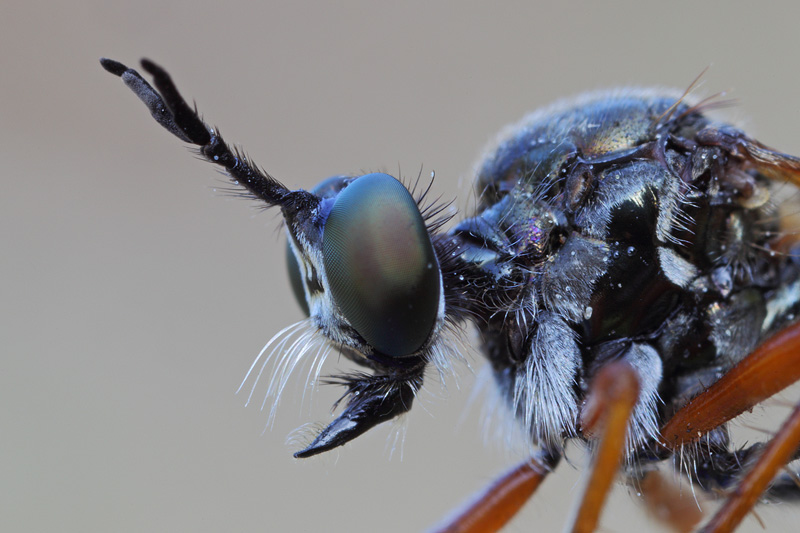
x=611 y=399
x=775 y=455
x=772 y=367
x=491 y=509
x=668 y=504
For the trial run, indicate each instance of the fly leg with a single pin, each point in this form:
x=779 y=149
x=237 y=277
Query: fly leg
x=493 y=507
x=779 y=451
x=769 y=369
x=612 y=396
x=715 y=468
x=669 y=503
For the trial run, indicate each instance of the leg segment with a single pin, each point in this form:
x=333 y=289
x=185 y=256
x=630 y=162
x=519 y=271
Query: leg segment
x=491 y=509
x=772 y=367
x=775 y=455
x=717 y=469
x=609 y=404
x=669 y=505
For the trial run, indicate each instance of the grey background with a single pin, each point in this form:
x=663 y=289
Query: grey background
x=135 y=296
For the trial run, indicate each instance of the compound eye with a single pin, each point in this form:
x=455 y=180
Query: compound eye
x=380 y=264
x=327 y=188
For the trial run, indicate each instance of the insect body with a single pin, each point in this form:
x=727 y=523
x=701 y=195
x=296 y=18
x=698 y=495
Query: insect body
x=621 y=237
x=625 y=230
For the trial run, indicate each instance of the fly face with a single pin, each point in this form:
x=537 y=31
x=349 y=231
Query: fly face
x=372 y=280
x=364 y=259
x=366 y=270
x=624 y=247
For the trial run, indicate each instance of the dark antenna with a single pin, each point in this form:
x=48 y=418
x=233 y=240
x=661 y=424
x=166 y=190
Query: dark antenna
x=169 y=109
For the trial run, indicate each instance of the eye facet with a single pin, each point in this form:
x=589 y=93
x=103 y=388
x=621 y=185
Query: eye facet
x=381 y=266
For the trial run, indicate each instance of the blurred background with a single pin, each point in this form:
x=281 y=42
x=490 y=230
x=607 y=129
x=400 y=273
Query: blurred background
x=136 y=295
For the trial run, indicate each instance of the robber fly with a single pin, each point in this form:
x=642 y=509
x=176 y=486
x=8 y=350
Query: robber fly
x=626 y=268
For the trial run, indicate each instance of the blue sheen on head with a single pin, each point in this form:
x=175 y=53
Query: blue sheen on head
x=327 y=188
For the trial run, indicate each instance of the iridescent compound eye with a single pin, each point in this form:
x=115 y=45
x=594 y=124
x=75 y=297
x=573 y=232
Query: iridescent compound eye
x=380 y=264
